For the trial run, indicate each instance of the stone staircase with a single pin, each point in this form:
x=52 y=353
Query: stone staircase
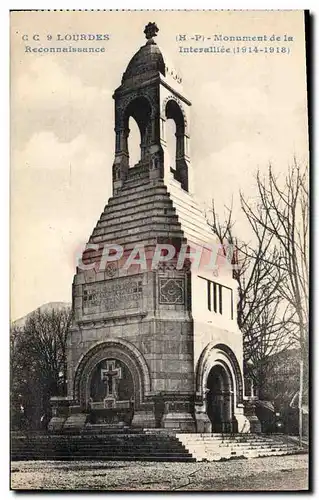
x=126 y=446
x=134 y=445
x=207 y=447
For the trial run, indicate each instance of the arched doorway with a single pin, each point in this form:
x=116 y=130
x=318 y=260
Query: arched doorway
x=219 y=388
x=220 y=399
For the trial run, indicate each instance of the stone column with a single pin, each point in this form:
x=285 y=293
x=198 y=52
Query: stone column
x=227 y=411
x=121 y=160
x=60 y=412
x=155 y=162
x=243 y=424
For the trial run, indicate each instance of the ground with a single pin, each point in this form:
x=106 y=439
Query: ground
x=264 y=474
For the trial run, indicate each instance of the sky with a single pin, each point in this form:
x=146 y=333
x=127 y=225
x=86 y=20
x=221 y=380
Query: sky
x=247 y=110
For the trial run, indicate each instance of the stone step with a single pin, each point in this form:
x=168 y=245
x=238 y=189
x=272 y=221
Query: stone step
x=157 y=207
x=219 y=447
x=139 y=205
x=97 y=439
x=191 y=224
x=188 y=209
x=103 y=450
x=114 y=449
x=117 y=446
x=114 y=446
x=156 y=211
x=229 y=440
x=232 y=443
x=130 y=184
x=137 y=193
x=199 y=238
x=139 y=185
x=153 y=221
x=217 y=458
x=144 y=446
x=133 y=458
x=232 y=437
x=150 y=193
x=143 y=237
x=189 y=216
x=237 y=445
x=187 y=206
x=101 y=430
x=196 y=230
x=143 y=177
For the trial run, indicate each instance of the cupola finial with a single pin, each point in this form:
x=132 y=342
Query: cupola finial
x=151 y=30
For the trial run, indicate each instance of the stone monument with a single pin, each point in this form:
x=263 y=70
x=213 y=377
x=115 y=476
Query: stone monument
x=153 y=345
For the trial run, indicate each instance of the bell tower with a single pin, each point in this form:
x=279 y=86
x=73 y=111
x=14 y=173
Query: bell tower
x=151 y=93
x=153 y=346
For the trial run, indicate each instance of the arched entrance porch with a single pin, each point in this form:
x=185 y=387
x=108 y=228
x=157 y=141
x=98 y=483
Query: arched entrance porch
x=219 y=390
x=220 y=399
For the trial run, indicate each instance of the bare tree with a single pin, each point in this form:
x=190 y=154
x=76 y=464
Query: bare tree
x=38 y=360
x=282 y=213
x=46 y=334
x=261 y=316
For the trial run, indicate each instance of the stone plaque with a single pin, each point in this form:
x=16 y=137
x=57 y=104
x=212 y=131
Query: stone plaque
x=119 y=294
x=172 y=291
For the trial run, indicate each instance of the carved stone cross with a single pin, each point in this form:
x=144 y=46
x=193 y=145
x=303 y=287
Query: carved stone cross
x=110 y=375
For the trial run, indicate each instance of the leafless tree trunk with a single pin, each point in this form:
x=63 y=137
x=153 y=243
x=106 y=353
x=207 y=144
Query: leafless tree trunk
x=38 y=358
x=282 y=213
x=260 y=314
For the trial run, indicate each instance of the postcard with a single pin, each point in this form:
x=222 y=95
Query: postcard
x=159 y=250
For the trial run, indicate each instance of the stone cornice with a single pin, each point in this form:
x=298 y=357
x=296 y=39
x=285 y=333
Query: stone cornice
x=110 y=318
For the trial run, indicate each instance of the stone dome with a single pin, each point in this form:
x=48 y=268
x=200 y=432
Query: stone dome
x=147 y=59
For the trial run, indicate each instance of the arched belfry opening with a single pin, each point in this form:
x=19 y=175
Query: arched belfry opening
x=170 y=139
x=150 y=96
x=133 y=142
x=140 y=111
x=178 y=165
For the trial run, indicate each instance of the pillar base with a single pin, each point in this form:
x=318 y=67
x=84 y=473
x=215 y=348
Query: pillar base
x=75 y=423
x=242 y=423
x=143 y=419
x=177 y=416
x=255 y=425
x=144 y=416
x=203 y=423
x=250 y=415
x=60 y=413
x=56 y=424
x=179 y=421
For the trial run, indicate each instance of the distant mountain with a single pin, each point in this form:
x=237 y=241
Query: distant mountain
x=19 y=323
